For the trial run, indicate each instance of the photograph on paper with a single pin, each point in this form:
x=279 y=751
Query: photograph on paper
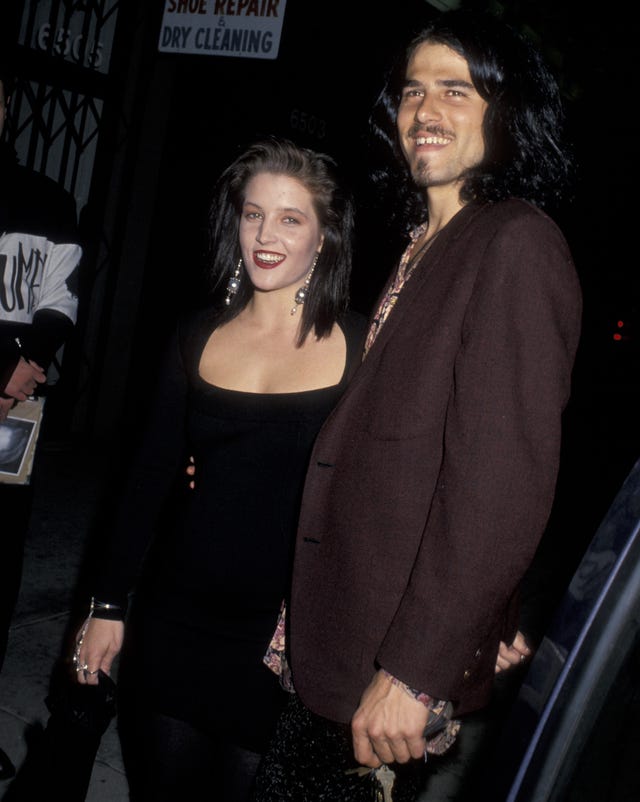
x=15 y=437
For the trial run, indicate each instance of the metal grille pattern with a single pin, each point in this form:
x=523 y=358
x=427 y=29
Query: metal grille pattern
x=80 y=32
x=55 y=132
x=54 y=125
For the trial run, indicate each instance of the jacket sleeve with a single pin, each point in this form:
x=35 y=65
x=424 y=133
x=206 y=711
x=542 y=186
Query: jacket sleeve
x=500 y=460
x=46 y=334
x=42 y=232
x=58 y=292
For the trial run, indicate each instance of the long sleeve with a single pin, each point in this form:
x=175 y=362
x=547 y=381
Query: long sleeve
x=48 y=332
x=159 y=459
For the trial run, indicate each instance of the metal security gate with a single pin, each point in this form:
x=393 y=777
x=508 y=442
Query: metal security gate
x=74 y=115
x=62 y=62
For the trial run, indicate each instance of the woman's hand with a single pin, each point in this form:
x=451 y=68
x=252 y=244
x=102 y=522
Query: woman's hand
x=97 y=645
x=514 y=655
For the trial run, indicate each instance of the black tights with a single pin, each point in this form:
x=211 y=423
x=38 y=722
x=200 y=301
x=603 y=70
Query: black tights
x=167 y=759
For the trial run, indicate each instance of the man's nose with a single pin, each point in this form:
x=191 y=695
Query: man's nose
x=428 y=110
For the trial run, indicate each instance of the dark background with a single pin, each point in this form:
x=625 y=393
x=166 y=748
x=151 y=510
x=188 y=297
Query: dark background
x=172 y=122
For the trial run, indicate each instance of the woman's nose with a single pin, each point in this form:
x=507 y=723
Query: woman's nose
x=265 y=232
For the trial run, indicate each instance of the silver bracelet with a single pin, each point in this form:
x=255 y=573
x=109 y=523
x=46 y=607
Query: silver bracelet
x=105 y=610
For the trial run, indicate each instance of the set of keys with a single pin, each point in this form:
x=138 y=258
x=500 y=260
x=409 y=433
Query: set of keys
x=385 y=778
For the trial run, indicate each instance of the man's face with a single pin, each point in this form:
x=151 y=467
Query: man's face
x=3 y=108
x=440 y=117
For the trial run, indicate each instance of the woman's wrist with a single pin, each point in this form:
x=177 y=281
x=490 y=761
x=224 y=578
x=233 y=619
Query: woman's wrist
x=105 y=610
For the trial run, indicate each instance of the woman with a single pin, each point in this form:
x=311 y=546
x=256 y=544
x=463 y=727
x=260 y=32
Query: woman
x=246 y=384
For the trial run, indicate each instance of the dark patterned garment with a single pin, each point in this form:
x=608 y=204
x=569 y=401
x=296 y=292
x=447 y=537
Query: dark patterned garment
x=312 y=758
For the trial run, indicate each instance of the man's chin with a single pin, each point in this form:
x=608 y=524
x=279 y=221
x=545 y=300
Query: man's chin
x=422 y=176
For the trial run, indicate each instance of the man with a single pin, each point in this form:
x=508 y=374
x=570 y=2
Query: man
x=431 y=483
x=18 y=377
x=39 y=257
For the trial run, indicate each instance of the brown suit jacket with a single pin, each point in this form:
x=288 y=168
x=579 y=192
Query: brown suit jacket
x=431 y=482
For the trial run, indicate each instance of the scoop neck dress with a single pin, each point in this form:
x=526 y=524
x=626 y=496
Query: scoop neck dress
x=210 y=565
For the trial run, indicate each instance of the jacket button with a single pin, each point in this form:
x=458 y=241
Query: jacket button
x=478 y=653
x=467 y=673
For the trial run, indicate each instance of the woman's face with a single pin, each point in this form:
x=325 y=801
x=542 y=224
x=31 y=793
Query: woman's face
x=280 y=233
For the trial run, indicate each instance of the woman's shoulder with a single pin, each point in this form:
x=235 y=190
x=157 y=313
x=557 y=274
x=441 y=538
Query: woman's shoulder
x=195 y=320
x=194 y=328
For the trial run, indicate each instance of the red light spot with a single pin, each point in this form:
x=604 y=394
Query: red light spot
x=617 y=337
x=620 y=324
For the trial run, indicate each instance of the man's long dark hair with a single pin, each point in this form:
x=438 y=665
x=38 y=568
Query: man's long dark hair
x=525 y=154
x=328 y=294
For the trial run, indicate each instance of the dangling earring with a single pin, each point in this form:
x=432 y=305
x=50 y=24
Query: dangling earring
x=301 y=294
x=234 y=283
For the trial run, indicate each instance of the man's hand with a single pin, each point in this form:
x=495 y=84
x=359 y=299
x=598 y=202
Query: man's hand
x=389 y=724
x=24 y=379
x=514 y=655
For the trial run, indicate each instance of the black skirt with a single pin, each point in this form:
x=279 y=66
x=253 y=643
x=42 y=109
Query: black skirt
x=216 y=682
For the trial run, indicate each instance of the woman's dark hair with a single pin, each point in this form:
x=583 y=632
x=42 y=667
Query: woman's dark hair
x=328 y=294
x=525 y=155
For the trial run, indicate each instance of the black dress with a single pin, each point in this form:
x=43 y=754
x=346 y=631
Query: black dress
x=211 y=565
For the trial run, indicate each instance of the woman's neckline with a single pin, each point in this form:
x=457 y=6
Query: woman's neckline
x=253 y=394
